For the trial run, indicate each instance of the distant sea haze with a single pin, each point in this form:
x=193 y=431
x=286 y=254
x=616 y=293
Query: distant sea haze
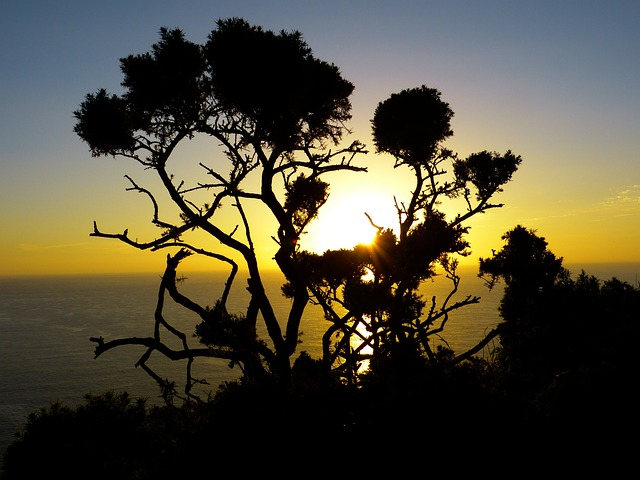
x=46 y=322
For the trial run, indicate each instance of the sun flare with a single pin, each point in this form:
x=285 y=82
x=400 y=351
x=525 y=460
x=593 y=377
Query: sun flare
x=343 y=222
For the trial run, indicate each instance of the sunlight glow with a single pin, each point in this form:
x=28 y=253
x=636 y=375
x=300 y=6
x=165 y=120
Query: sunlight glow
x=357 y=343
x=342 y=222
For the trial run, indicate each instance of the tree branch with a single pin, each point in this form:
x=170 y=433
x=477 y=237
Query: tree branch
x=472 y=351
x=155 y=344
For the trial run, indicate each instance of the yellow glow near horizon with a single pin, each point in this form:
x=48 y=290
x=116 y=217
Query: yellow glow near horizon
x=342 y=222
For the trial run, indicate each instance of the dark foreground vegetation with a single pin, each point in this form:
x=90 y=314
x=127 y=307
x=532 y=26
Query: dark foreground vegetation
x=560 y=385
x=560 y=390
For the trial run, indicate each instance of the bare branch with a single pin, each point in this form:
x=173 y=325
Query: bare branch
x=373 y=224
x=156 y=220
x=157 y=345
x=477 y=348
x=123 y=237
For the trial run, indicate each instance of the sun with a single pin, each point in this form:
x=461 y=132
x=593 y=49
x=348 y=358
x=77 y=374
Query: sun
x=343 y=222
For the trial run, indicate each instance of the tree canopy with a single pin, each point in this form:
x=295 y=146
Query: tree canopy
x=281 y=113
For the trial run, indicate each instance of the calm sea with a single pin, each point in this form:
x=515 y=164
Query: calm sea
x=46 y=322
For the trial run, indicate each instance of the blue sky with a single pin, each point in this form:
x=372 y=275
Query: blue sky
x=557 y=82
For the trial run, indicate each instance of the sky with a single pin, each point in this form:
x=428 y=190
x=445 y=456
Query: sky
x=557 y=82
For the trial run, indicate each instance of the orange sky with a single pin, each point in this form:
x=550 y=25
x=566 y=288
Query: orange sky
x=557 y=85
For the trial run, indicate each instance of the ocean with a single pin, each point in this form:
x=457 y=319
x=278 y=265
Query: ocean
x=46 y=322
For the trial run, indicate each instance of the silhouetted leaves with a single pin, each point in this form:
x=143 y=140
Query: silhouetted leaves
x=384 y=253
x=304 y=198
x=105 y=123
x=487 y=171
x=524 y=262
x=332 y=268
x=275 y=81
x=411 y=124
x=224 y=329
x=269 y=85
x=428 y=241
x=169 y=82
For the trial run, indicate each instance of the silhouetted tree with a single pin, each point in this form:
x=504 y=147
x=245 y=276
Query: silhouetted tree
x=274 y=108
x=531 y=274
x=567 y=346
x=370 y=294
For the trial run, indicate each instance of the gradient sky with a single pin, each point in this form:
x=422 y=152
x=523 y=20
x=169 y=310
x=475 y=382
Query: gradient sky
x=557 y=82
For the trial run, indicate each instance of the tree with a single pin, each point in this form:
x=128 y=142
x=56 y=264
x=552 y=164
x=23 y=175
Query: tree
x=566 y=344
x=370 y=293
x=277 y=110
x=274 y=107
x=531 y=274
